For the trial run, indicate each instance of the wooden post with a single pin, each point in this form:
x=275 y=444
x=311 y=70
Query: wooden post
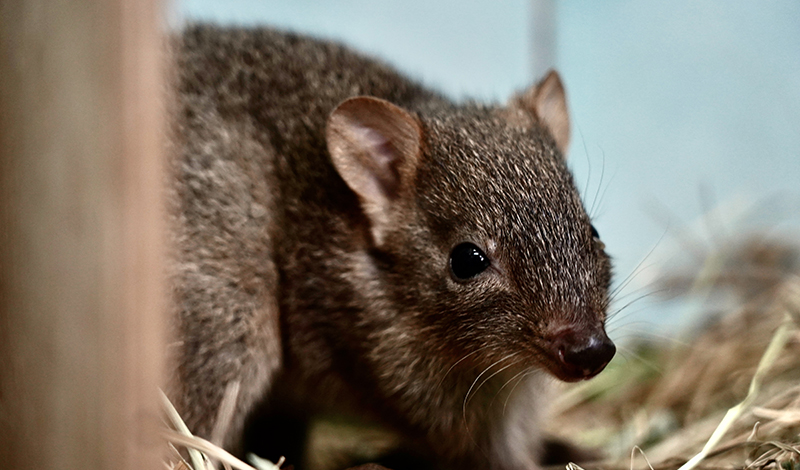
x=81 y=337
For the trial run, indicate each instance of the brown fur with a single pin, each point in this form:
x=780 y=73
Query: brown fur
x=324 y=284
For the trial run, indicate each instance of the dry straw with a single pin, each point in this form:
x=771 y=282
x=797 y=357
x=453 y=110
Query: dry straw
x=728 y=396
x=202 y=453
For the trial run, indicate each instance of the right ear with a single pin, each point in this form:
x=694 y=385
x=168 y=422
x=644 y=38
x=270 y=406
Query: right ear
x=375 y=146
x=547 y=102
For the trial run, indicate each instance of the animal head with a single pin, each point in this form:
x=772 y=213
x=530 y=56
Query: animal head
x=479 y=230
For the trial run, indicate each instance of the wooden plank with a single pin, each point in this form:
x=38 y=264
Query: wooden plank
x=81 y=334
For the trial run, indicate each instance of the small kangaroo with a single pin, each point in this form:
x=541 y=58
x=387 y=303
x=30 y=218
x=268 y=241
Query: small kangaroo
x=345 y=239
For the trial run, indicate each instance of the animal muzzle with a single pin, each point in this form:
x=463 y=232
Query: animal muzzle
x=578 y=355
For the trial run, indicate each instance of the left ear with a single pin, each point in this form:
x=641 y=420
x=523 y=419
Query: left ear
x=376 y=148
x=547 y=103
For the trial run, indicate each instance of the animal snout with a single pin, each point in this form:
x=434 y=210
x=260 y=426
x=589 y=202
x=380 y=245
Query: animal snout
x=581 y=356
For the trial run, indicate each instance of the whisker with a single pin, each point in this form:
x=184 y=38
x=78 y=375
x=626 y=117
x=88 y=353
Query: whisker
x=600 y=185
x=686 y=239
x=466 y=397
x=647 y=291
x=622 y=315
x=491 y=376
x=649 y=333
x=500 y=390
x=637 y=299
x=588 y=164
x=599 y=212
x=511 y=392
x=652 y=287
x=650 y=364
x=454 y=365
x=636 y=270
x=628 y=280
x=643 y=323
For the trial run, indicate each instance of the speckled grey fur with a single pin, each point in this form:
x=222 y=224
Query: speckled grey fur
x=279 y=284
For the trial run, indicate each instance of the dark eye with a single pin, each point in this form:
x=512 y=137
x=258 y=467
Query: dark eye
x=594 y=233
x=467 y=261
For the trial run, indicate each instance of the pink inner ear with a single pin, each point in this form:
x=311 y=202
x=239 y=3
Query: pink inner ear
x=379 y=147
x=375 y=146
x=382 y=158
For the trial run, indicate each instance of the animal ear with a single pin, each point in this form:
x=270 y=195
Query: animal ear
x=375 y=147
x=547 y=102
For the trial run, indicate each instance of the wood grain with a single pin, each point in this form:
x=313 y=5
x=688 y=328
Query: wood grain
x=81 y=327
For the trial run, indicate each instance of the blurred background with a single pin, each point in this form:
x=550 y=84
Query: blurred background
x=685 y=114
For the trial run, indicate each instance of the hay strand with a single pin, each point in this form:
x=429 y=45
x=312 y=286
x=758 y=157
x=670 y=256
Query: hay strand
x=202 y=452
x=177 y=422
x=774 y=349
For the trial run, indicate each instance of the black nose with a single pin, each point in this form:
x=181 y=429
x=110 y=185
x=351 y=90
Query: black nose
x=583 y=356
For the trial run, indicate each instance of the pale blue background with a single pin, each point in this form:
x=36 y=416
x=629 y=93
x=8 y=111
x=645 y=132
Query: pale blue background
x=682 y=106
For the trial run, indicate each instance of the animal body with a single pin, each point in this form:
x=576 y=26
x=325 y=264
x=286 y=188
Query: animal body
x=345 y=239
